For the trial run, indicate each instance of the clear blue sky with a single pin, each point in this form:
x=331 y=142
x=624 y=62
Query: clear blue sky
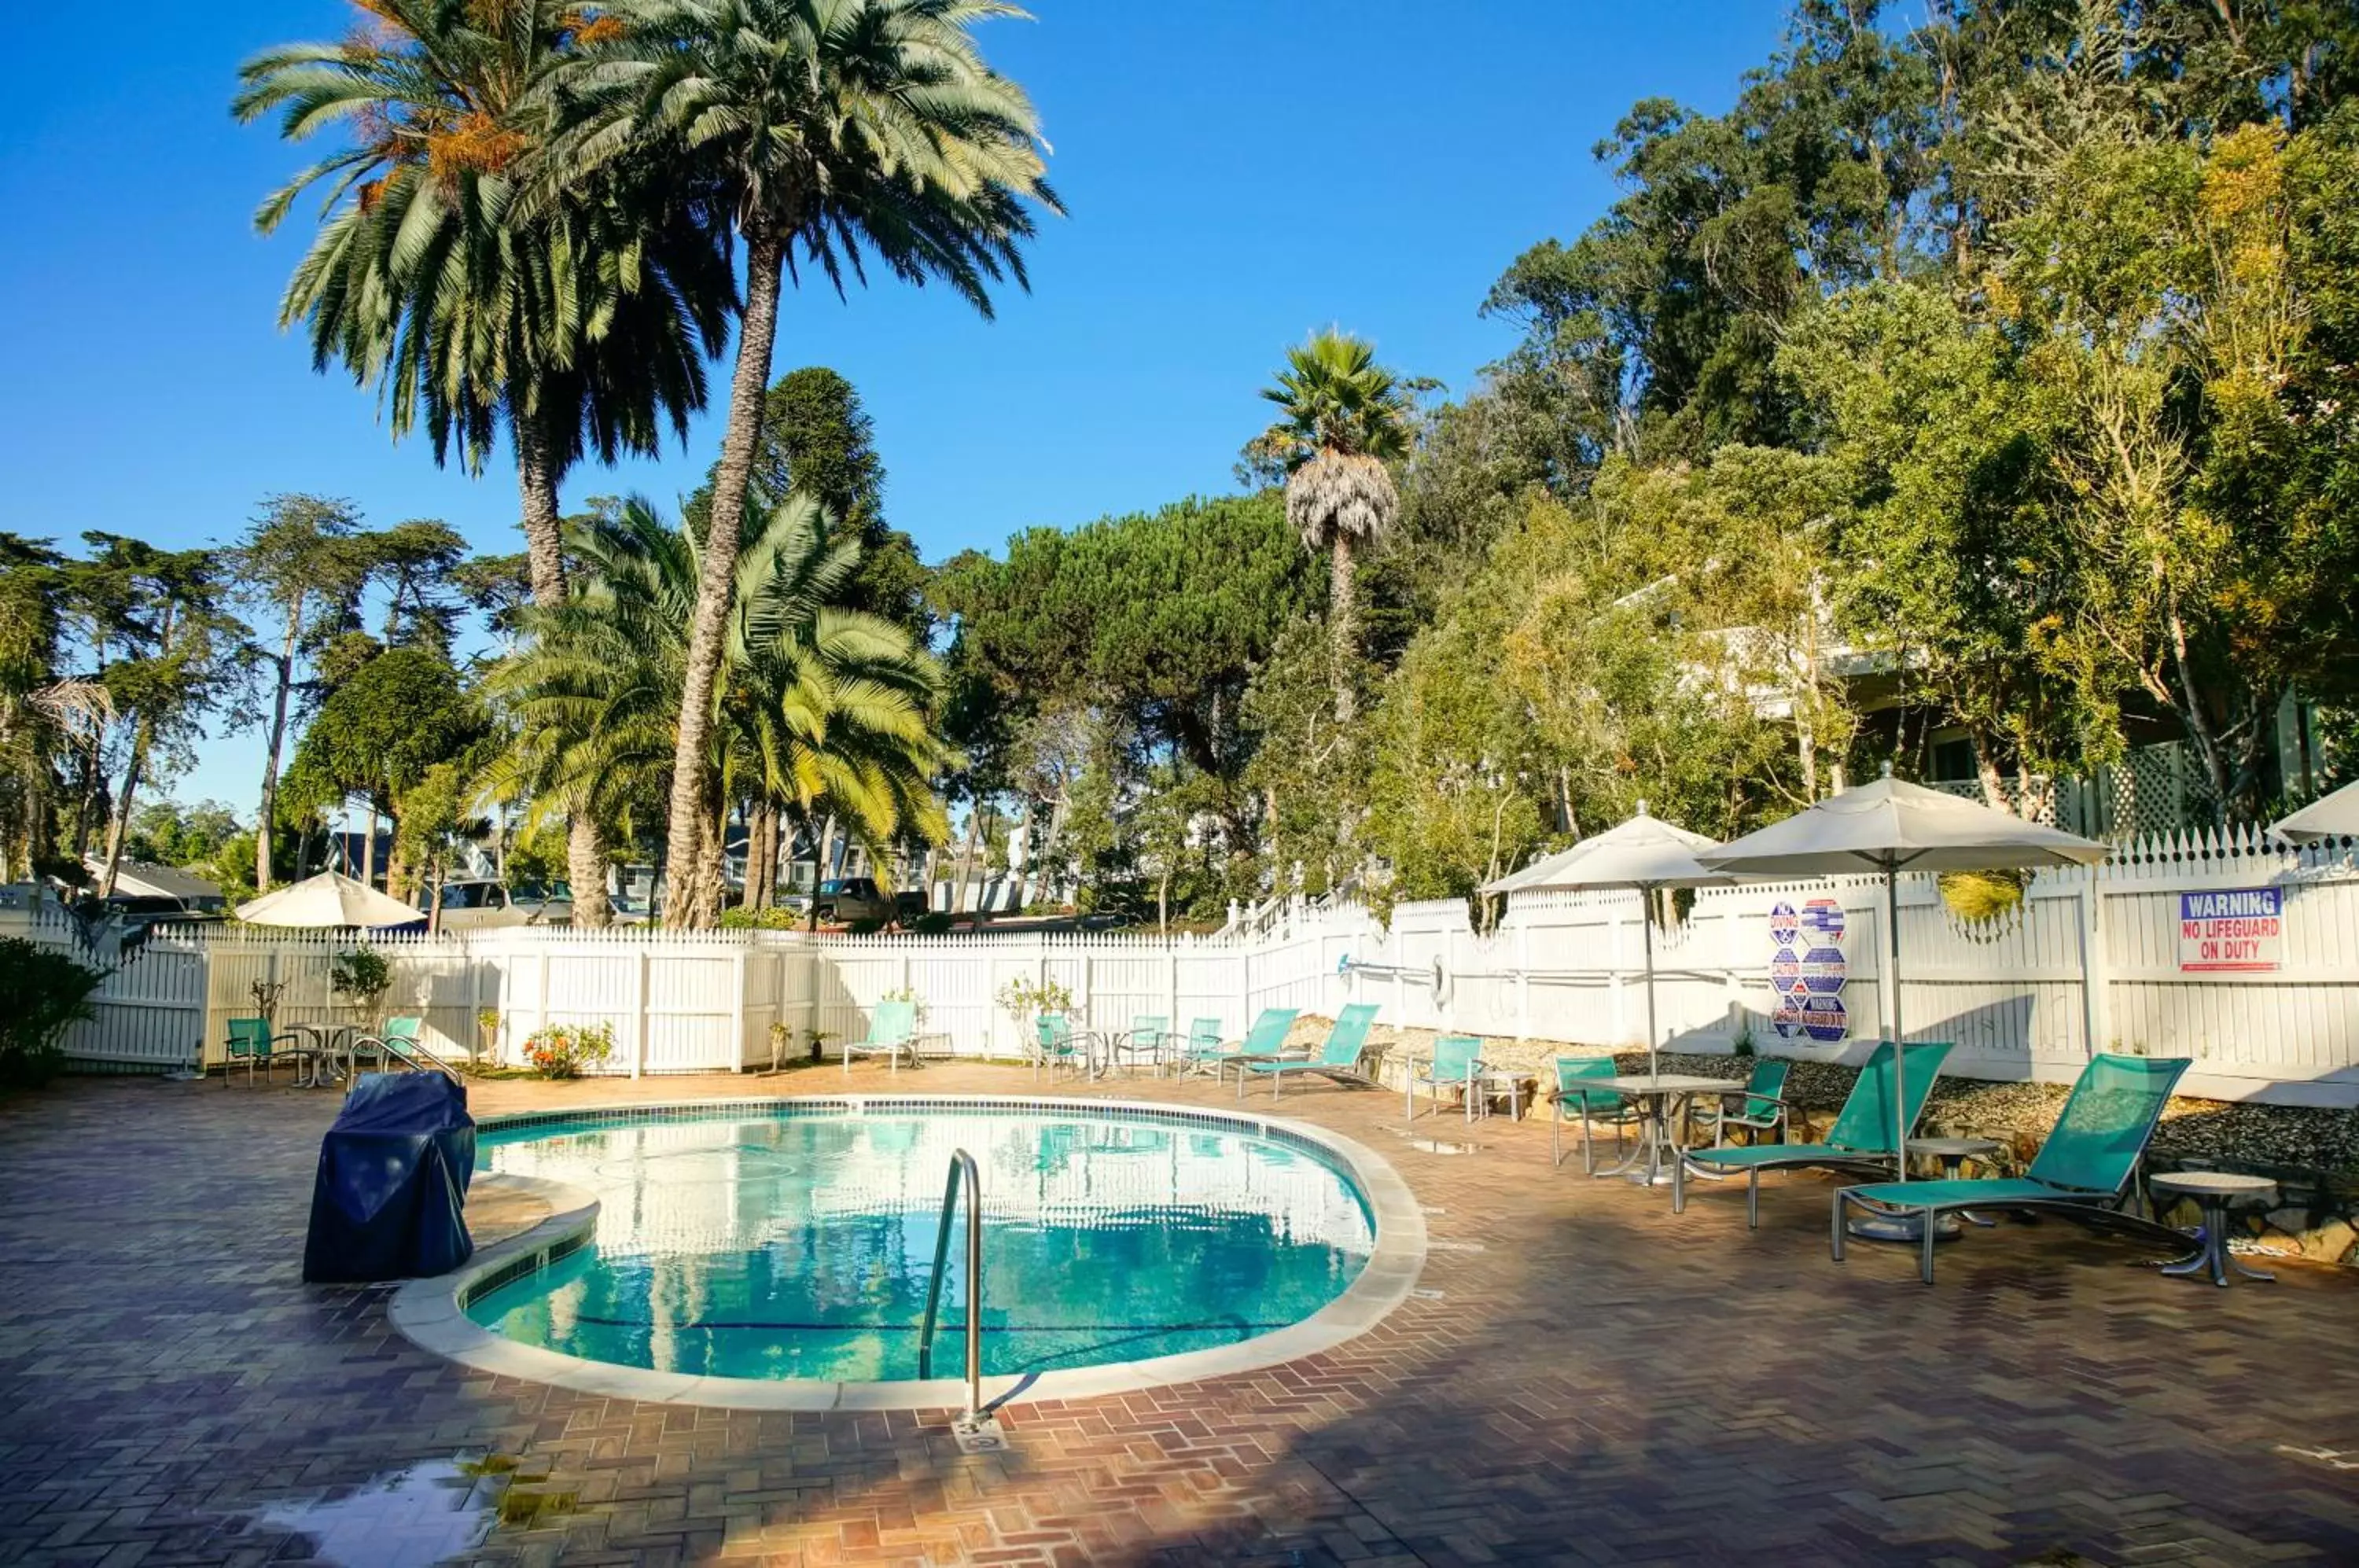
x=1238 y=172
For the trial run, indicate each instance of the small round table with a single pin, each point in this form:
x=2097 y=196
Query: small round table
x=2213 y=1192
x=1954 y=1152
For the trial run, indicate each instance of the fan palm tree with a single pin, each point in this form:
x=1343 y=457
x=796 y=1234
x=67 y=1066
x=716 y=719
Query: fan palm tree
x=582 y=326
x=831 y=132
x=1345 y=418
x=816 y=708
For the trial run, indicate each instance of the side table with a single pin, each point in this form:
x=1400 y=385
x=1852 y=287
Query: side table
x=2213 y=1192
x=1954 y=1152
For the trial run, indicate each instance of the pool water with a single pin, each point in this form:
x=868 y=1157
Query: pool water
x=801 y=1246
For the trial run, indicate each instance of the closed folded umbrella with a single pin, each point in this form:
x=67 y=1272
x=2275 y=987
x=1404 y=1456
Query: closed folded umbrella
x=1646 y=854
x=1893 y=826
x=328 y=899
x=2335 y=816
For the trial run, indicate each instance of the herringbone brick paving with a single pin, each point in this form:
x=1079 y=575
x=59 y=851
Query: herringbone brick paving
x=1596 y=1382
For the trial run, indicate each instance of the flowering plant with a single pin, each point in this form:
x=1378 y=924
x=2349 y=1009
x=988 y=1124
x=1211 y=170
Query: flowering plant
x=562 y=1051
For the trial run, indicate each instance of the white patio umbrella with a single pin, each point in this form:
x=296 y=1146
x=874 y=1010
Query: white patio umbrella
x=2331 y=816
x=327 y=900
x=1646 y=854
x=1894 y=826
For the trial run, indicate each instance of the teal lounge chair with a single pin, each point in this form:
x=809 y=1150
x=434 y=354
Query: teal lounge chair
x=1577 y=1102
x=892 y=1034
x=1263 y=1043
x=2083 y=1170
x=1338 y=1061
x=251 y=1041
x=1861 y=1139
x=1456 y=1064
x=1763 y=1110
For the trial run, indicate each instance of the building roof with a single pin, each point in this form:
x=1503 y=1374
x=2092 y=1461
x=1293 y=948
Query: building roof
x=146 y=879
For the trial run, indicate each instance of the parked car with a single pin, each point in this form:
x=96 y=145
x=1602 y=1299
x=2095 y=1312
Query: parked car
x=477 y=903
x=847 y=900
x=547 y=904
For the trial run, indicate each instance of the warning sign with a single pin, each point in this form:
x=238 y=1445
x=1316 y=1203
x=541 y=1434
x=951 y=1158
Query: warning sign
x=1807 y=971
x=2240 y=930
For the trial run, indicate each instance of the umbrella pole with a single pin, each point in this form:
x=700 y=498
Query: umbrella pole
x=1899 y=1050
x=1647 y=926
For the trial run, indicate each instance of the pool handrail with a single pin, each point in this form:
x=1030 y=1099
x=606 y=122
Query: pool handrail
x=961 y=1160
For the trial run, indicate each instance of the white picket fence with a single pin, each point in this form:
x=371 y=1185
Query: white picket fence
x=2088 y=958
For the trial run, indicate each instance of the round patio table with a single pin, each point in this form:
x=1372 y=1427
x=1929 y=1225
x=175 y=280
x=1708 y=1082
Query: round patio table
x=2213 y=1192
x=326 y=1041
x=1660 y=1157
x=1954 y=1152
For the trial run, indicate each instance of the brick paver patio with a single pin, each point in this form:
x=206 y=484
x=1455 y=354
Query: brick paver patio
x=1594 y=1381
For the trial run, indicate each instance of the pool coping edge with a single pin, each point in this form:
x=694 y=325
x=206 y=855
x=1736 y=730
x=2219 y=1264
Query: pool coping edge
x=431 y=1312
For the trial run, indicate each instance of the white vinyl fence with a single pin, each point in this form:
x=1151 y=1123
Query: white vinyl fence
x=2089 y=958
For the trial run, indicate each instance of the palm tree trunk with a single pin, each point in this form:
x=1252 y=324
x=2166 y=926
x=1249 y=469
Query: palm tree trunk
x=758 y=329
x=1340 y=626
x=759 y=850
x=544 y=540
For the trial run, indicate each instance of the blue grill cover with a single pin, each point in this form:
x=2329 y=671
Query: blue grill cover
x=389 y=1201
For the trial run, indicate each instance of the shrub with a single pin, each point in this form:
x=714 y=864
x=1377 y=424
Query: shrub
x=562 y=1051
x=1024 y=1001
x=363 y=974
x=41 y=992
x=935 y=924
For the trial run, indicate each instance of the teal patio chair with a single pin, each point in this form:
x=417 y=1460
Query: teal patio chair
x=1763 y=1111
x=1201 y=1047
x=1265 y=1041
x=1056 y=1043
x=892 y=1034
x=403 y=1042
x=1146 y=1040
x=251 y=1041
x=1577 y=1101
x=2082 y=1171
x=1861 y=1139
x=1338 y=1061
x=1456 y=1064
x=397 y=1043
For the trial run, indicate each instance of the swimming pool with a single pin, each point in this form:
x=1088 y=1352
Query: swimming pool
x=793 y=1241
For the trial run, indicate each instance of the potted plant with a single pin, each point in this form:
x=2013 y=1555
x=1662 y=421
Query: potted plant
x=487 y=1038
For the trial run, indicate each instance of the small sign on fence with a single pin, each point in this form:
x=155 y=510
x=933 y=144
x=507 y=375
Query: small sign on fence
x=2236 y=930
x=1808 y=971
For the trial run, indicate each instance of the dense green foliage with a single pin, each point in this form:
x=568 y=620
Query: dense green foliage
x=41 y=992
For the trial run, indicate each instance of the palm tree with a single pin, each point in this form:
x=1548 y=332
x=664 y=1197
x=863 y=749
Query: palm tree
x=838 y=129
x=817 y=708
x=583 y=327
x=1346 y=417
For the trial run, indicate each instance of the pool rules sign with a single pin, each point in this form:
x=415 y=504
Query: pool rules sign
x=2234 y=930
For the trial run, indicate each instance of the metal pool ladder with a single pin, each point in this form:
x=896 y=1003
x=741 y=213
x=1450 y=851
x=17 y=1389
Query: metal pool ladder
x=960 y=1162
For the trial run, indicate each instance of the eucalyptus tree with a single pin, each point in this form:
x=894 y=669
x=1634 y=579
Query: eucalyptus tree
x=301 y=561
x=1345 y=418
x=817 y=708
x=830 y=132
x=580 y=325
